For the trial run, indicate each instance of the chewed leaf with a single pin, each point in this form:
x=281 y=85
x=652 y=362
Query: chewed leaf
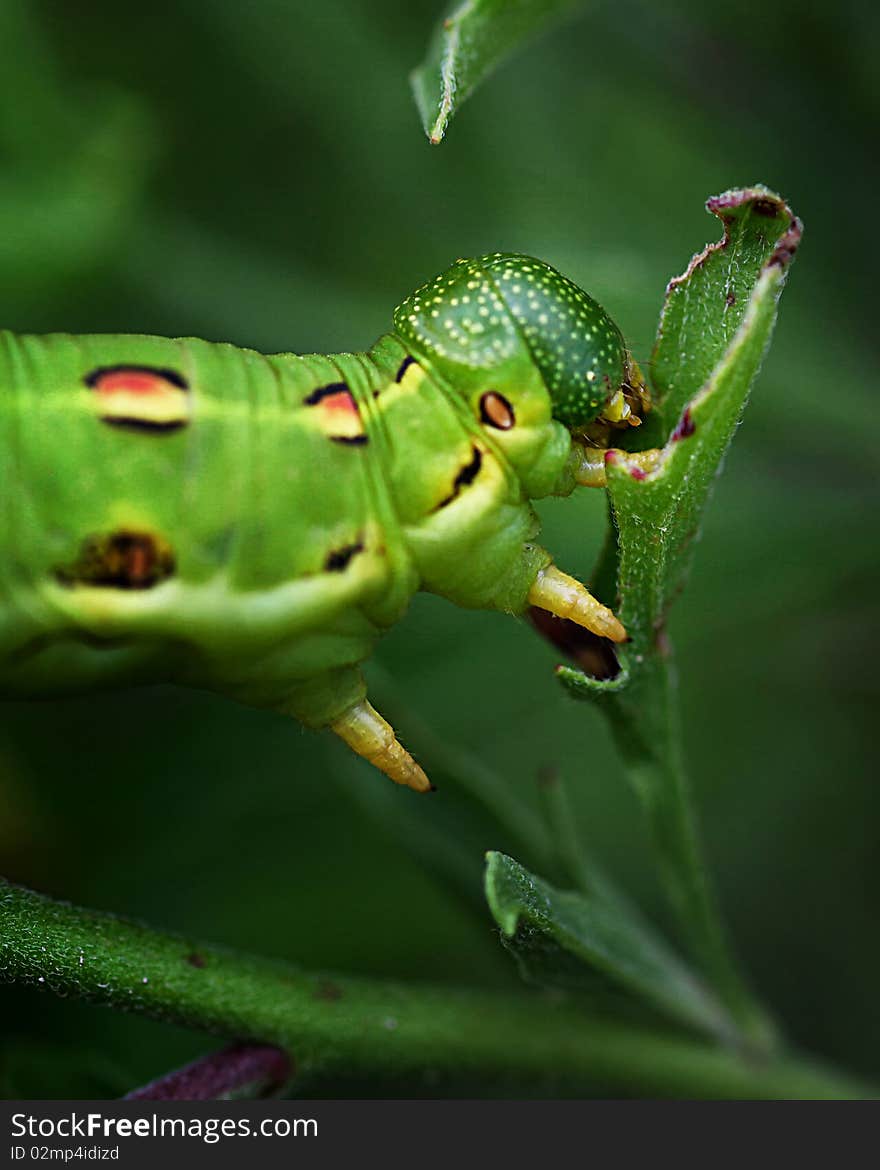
x=473 y=39
x=714 y=330
x=563 y=939
x=707 y=305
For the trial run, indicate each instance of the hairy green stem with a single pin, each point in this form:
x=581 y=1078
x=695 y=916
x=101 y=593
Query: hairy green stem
x=412 y=1039
x=655 y=761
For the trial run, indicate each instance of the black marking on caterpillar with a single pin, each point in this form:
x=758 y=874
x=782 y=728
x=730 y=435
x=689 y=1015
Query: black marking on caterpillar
x=470 y=472
x=323 y=392
x=339 y=558
x=129 y=423
x=466 y=475
x=404 y=366
x=351 y=440
x=119 y=560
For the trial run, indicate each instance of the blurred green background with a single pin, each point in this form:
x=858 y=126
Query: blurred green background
x=257 y=173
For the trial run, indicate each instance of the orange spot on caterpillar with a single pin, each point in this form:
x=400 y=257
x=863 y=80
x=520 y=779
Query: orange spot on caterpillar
x=496 y=411
x=141 y=397
x=341 y=403
x=338 y=412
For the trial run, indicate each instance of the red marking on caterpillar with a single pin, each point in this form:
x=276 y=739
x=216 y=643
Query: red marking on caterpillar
x=141 y=397
x=637 y=473
x=610 y=456
x=340 y=403
x=131 y=382
x=338 y=412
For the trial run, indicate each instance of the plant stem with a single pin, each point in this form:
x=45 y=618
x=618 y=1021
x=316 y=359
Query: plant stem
x=409 y=1039
x=654 y=756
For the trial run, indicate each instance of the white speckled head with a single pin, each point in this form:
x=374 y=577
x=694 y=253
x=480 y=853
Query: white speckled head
x=480 y=314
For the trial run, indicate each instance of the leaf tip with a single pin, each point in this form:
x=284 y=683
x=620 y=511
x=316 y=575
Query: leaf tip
x=504 y=909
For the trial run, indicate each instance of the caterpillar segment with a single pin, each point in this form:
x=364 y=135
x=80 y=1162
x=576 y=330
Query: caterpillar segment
x=566 y=597
x=183 y=511
x=373 y=738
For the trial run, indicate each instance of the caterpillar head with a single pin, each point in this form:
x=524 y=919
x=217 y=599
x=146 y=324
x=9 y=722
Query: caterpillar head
x=481 y=321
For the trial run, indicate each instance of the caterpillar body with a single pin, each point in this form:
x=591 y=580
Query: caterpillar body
x=179 y=510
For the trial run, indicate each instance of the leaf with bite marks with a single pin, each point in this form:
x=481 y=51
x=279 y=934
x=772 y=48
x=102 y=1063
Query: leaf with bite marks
x=714 y=330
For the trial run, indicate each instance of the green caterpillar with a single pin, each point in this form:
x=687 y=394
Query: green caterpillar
x=184 y=511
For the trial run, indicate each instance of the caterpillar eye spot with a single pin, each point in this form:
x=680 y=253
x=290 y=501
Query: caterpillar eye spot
x=351 y=440
x=496 y=411
x=141 y=398
x=120 y=560
x=340 y=558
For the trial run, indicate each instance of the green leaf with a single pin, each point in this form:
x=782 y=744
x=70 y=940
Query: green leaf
x=563 y=939
x=476 y=37
x=714 y=330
